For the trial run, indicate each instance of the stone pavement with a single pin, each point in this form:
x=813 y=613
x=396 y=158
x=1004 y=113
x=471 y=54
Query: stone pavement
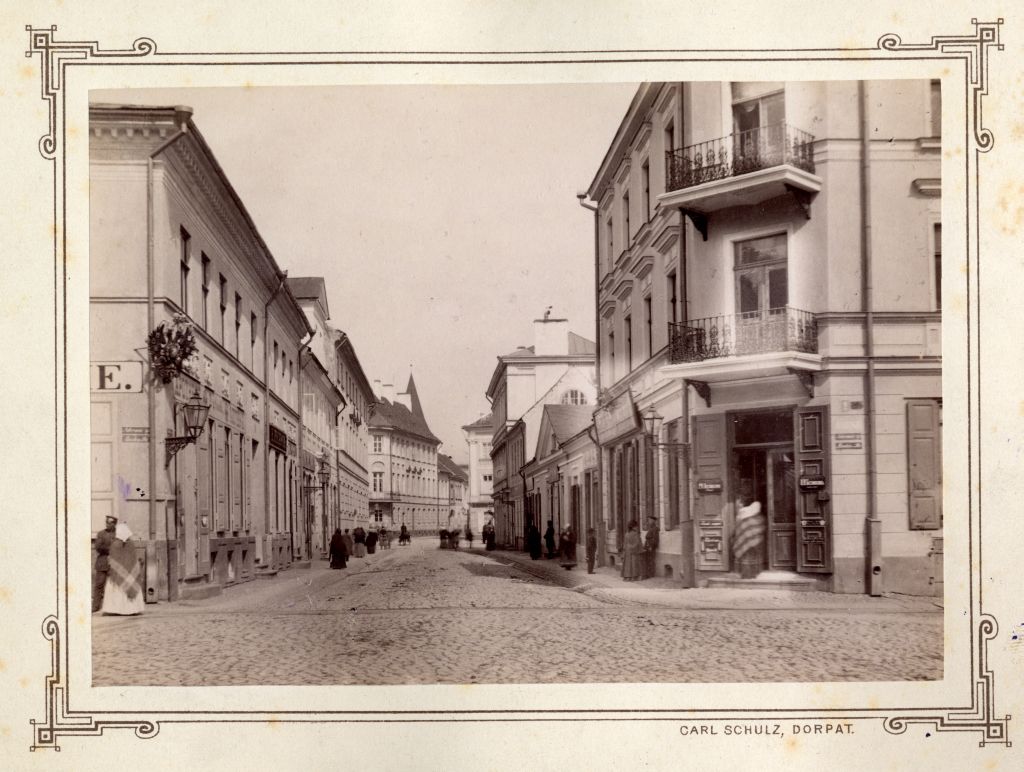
x=420 y=615
x=607 y=584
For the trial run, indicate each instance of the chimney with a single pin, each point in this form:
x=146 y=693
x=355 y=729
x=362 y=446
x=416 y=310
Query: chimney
x=376 y=388
x=387 y=391
x=550 y=336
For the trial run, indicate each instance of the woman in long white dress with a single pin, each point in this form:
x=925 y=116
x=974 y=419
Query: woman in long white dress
x=123 y=593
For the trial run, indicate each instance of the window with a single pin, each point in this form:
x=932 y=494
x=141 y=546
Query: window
x=673 y=462
x=645 y=180
x=627 y=234
x=762 y=283
x=611 y=241
x=937 y=263
x=574 y=397
x=223 y=307
x=378 y=516
x=252 y=342
x=206 y=291
x=611 y=352
x=670 y=137
x=649 y=321
x=627 y=325
x=273 y=371
x=238 y=323
x=488 y=477
x=935 y=108
x=377 y=443
x=378 y=482
x=186 y=248
x=673 y=302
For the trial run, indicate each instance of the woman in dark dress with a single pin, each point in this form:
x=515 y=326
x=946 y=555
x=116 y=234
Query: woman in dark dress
x=549 y=539
x=339 y=553
x=533 y=542
x=371 y=542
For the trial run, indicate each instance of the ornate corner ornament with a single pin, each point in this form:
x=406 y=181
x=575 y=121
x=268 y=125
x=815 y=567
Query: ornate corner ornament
x=972 y=48
x=54 y=56
x=61 y=720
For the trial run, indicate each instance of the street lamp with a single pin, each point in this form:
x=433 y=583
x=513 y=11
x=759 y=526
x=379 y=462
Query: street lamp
x=652 y=427
x=194 y=413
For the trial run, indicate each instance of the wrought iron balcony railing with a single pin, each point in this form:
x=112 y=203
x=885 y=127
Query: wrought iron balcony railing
x=747 y=151
x=756 y=332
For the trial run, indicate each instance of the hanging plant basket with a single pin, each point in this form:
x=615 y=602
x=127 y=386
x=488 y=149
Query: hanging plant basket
x=172 y=348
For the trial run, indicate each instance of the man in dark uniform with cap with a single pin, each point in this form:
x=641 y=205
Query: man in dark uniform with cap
x=99 y=581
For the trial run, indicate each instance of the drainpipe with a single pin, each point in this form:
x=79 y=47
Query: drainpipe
x=601 y=546
x=689 y=558
x=281 y=277
x=303 y=495
x=874 y=524
x=182 y=115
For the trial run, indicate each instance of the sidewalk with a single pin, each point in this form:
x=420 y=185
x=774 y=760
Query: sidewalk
x=606 y=584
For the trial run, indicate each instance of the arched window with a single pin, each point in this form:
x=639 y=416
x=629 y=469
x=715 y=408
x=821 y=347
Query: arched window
x=574 y=397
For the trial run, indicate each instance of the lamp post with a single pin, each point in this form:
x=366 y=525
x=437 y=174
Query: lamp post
x=194 y=413
x=652 y=427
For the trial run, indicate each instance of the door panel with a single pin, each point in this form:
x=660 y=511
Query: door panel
x=711 y=472
x=814 y=527
x=781 y=510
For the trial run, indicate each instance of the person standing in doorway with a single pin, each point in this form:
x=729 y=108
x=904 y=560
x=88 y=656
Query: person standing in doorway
x=632 y=556
x=591 y=549
x=99 y=580
x=549 y=539
x=650 y=547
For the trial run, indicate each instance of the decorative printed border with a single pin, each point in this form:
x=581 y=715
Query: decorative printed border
x=61 y=720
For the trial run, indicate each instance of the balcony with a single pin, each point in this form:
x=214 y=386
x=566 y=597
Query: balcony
x=748 y=345
x=742 y=169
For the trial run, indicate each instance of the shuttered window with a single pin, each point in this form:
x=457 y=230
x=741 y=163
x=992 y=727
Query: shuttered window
x=924 y=463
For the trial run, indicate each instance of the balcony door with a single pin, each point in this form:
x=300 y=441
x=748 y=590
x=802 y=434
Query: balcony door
x=758 y=127
x=762 y=293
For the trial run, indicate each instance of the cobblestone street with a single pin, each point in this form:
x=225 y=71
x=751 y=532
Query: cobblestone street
x=424 y=615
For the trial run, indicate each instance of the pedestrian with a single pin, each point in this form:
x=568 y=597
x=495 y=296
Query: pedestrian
x=568 y=548
x=632 y=557
x=350 y=544
x=371 y=542
x=102 y=545
x=749 y=538
x=549 y=539
x=339 y=552
x=533 y=542
x=650 y=547
x=591 y=549
x=403 y=535
x=469 y=535
x=123 y=593
x=360 y=538
x=385 y=538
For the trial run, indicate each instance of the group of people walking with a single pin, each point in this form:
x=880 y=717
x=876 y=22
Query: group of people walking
x=360 y=543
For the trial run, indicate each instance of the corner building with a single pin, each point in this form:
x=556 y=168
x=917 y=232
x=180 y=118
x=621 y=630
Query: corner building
x=769 y=282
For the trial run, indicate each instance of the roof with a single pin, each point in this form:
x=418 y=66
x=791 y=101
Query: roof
x=483 y=422
x=394 y=415
x=310 y=288
x=568 y=420
x=579 y=345
x=447 y=465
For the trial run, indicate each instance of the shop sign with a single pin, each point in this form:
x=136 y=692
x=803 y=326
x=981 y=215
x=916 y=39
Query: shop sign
x=709 y=485
x=848 y=441
x=812 y=482
x=115 y=376
x=618 y=418
x=278 y=439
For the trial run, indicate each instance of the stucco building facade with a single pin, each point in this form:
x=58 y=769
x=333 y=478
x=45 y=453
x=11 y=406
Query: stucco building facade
x=769 y=292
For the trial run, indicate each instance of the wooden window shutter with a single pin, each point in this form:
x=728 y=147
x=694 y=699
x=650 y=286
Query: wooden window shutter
x=924 y=464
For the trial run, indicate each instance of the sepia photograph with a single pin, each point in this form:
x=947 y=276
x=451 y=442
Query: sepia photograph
x=632 y=382
x=479 y=386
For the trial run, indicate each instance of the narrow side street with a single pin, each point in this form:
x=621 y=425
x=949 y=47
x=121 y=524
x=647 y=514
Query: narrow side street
x=423 y=615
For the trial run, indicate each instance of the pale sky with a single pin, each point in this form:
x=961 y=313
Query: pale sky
x=444 y=219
